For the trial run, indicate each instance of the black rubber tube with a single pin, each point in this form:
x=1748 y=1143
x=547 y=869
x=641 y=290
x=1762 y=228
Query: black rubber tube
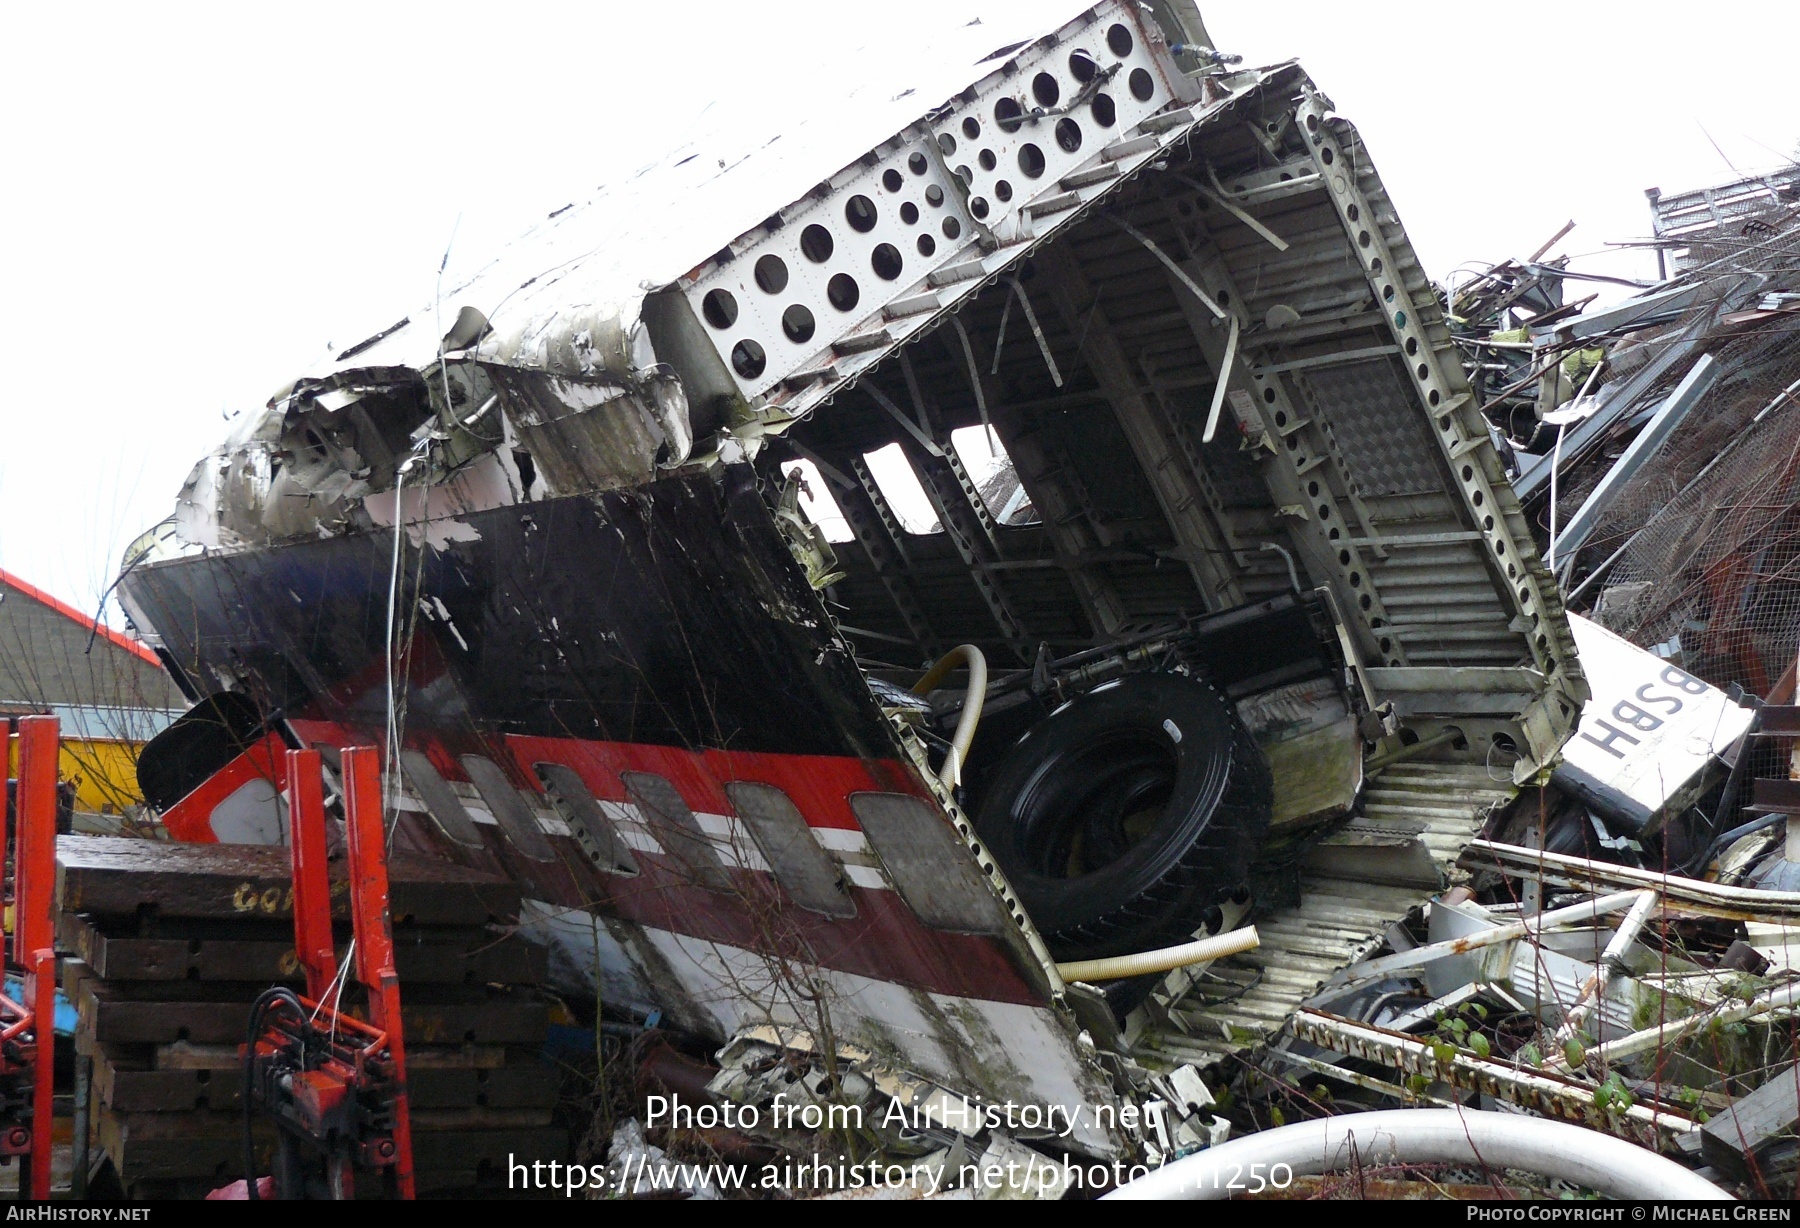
x=266 y=1001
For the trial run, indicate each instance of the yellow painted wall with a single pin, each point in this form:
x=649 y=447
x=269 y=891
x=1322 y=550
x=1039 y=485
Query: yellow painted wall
x=104 y=772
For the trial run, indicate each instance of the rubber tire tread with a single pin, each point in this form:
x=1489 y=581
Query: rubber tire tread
x=1151 y=897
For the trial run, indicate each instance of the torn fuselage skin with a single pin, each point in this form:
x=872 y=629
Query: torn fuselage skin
x=585 y=521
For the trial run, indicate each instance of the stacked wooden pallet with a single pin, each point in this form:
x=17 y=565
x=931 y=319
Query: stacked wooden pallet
x=166 y=945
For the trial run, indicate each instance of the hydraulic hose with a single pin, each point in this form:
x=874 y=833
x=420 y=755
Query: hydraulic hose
x=965 y=654
x=267 y=1001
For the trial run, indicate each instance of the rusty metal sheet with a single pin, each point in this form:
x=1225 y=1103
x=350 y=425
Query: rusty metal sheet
x=1776 y=721
x=106 y=874
x=1776 y=796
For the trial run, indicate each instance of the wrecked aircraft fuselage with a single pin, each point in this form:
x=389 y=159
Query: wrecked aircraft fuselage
x=1115 y=365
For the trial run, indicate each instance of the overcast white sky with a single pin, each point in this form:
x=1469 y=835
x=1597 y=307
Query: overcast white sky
x=199 y=200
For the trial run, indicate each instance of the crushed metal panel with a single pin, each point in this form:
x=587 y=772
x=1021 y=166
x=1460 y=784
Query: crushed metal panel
x=1543 y=979
x=785 y=236
x=1245 y=1000
x=1648 y=735
x=1707 y=219
x=595 y=433
x=1554 y=1095
x=1318 y=774
x=714 y=645
x=925 y=219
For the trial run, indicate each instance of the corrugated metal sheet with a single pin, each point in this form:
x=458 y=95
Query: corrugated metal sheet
x=1245 y=1000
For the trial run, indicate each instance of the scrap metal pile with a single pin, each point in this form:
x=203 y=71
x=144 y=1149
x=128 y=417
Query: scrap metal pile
x=1110 y=381
x=1662 y=454
x=1619 y=948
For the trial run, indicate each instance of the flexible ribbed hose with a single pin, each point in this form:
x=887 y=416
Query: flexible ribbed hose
x=963 y=654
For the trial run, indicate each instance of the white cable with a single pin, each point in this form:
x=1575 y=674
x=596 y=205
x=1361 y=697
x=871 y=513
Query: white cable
x=391 y=786
x=335 y=990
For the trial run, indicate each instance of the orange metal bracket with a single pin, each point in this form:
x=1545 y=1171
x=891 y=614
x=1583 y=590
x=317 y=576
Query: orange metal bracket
x=366 y=834
x=34 y=926
x=354 y=1049
x=312 y=877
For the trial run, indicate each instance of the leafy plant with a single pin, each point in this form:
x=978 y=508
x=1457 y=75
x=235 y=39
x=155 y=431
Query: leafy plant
x=1460 y=1030
x=1612 y=1095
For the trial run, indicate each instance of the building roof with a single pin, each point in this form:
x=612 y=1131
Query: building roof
x=52 y=656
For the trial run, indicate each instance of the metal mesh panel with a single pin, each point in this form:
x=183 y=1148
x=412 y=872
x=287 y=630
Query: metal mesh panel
x=1712 y=580
x=1707 y=532
x=1758 y=366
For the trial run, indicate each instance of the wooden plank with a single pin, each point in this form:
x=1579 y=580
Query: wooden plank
x=1755 y=1128
x=210 y=1146
x=532 y=1088
x=457 y=959
x=475 y=1023
x=108 y=1019
x=481 y=1117
x=116 y=874
x=166 y=1091
x=468 y=1150
x=532 y=1084
x=183 y=1055
x=116 y=1022
x=198 y=1145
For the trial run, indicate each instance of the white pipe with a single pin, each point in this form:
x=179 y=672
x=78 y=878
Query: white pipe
x=1785 y=998
x=1487 y=1140
x=1593 y=990
x=1585 y=875
x=1375 y=969
x=1118 y=967
x=968 y=654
